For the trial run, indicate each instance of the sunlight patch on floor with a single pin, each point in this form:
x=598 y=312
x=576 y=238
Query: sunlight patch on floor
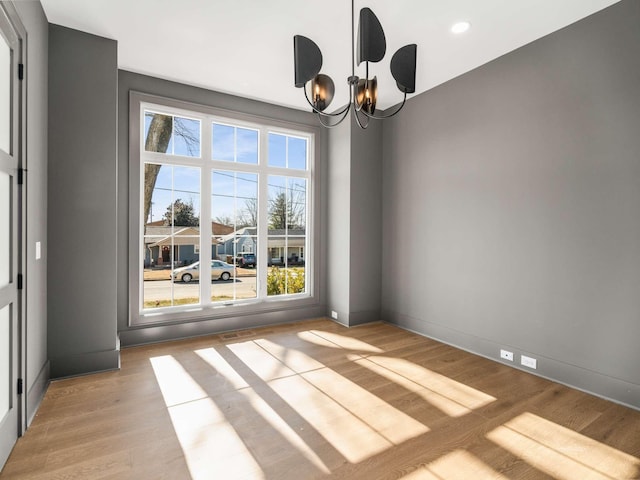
x=222 y=367
x=561 y=452
x=292 y=358
x=211 y=446
x=263 y=364
x=342 y=341
x=316 y=340
x=213 y=358
x=391 y=423
x=350 y=436
x=449 y=396
x=357 y=423
x=282 y=427
x=176 y=385
x=457 y=465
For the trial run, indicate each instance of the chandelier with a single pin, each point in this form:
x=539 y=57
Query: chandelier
x=363 y=92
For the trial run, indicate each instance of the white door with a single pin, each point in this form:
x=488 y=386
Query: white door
x=9 y=248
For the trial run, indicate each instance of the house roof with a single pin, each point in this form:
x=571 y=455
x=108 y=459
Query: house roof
x=253 y=231
x=184 y=236
x=166 y=235
x=160 y=227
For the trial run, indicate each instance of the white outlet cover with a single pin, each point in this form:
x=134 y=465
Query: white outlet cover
x=506 y=355
x=334 y=314
x=528 y=362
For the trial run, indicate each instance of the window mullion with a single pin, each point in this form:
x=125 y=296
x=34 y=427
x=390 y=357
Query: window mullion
x=263 y=217
x=206 y=225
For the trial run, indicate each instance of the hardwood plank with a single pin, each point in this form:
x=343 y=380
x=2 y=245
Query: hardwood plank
x=318 y=400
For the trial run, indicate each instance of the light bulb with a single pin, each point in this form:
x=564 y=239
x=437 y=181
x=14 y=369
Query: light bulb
x=460 y=27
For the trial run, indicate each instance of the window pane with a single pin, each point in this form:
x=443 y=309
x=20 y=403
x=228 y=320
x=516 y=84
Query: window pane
x=297 y=153
x=186 y=135
x=171 y=135
x=277 y=203
x=247 y=145
x=297 y=201
x=287 y=152
x=286 y=236
x=247 y=200
x=5 y=96
x=234 y=208
x=277 y=150
x=172 y=203
x=234 y=144
x=223 y=142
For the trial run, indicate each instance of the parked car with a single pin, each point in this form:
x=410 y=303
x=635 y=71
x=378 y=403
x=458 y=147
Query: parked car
x=246 y=260
x=219 y=270
x=292 y=261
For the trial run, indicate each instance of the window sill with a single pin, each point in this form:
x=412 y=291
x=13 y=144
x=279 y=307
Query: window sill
x=196 y=313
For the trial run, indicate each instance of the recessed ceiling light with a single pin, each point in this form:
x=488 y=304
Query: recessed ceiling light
x=460 y=27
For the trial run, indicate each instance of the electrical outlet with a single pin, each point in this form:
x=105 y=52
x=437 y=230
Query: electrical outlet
x=506 y=355
x=528 y=362
x=334 y=314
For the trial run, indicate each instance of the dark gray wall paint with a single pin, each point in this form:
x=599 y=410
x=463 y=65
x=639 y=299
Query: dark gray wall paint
x=354 y=220
x=338 y=222
x=128 y=82
x=514 y=189
x=366 y=223
x=82 y=202
x=35 y=161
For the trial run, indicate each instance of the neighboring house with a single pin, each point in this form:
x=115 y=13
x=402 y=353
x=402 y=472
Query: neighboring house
x=286 y=244
x=281 y=244
x=244 y=240
x=160 y=239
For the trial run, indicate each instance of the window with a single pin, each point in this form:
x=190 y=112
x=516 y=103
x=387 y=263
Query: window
x=234 y=191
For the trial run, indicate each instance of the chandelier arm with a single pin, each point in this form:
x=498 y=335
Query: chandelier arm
x=328 y=125
x=382 y=117
x=315 y=110
x=353 y=41
x=362 y=125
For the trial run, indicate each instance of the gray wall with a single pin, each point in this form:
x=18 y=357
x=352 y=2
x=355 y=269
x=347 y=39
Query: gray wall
x=366 y=267
x=354 y=222
x=338 y=222
x=514 y=191
x=128 y=82
x=82 y=202
x=36 y=369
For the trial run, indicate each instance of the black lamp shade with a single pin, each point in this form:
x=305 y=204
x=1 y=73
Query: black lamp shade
x=372 y=43
x=307 y=60
x=322 y=91
x=403 y=68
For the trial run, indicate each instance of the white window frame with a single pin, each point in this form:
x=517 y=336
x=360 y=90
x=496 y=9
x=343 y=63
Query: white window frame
x=139 y=102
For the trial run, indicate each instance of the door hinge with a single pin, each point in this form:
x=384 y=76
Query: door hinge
x=20 y=386
x=21 y=71
x=21 y=176
x=20 y=279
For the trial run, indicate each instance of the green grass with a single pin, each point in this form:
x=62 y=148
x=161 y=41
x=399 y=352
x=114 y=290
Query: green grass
x=181 y=301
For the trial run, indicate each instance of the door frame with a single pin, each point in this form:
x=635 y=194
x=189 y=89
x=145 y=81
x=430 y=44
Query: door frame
x=10 y=14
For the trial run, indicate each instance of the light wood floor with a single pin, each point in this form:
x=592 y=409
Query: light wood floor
x=316 y=400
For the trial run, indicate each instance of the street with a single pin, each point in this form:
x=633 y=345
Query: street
x=244 y=287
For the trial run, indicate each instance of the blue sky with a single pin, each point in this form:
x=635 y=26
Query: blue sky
x=230 y=190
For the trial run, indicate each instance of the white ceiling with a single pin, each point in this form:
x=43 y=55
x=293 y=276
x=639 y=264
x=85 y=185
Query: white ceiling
x=245 y=47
